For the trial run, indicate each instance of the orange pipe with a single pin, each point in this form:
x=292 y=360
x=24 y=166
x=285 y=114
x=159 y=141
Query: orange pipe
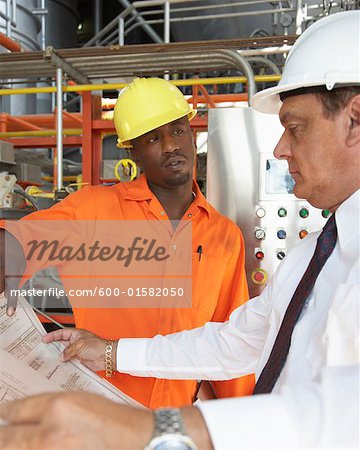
x=24 y=123
x=219 y=98
x=209 y=100
x=72 y=117
x=8 y=43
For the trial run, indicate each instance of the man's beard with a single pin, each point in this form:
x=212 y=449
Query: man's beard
x=178 y=180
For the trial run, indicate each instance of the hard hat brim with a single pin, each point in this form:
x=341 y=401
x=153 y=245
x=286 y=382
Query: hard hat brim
x=268 y=101
x=127 y=144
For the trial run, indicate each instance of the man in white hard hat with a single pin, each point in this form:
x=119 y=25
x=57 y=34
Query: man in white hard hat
x=300 y=335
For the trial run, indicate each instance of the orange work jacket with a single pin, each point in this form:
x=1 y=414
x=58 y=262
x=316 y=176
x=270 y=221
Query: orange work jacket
x=218 y=283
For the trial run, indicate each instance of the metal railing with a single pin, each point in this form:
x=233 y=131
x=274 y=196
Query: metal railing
x=10 y=16
x=139 y=14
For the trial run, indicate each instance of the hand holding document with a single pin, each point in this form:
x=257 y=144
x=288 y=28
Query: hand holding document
x=28 y=366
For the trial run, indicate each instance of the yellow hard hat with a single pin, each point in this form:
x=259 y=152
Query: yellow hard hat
x=146 y=104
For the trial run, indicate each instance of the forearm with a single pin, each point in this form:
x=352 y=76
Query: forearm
x=216 y=351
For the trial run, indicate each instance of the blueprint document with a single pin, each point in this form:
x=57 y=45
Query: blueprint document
x=28 y=366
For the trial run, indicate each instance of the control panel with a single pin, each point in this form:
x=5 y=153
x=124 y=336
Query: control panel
x=280 y=219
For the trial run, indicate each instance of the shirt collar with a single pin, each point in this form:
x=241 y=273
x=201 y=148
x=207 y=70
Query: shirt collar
x=348 y=218
x=200 y=201
x=139 y=190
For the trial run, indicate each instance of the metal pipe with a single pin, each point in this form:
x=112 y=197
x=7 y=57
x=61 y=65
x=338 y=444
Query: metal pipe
x=14 y=13
x=131 y=20
x=299 y=16
x=41 y=133
x=265 y=62
x=9 y=43
x=121 y=28
x=147 y=3
x=111 y=38
x=166 y=31
x=110 y=87
x=265 y=51
x=237 y=14
x=4 y=16
x=108 y=27
x=246 y=68
x=59 y=128
x=8 y=21
x=223 y=5
x=43 y=25
x=215 y=16
x=131 y=9
x=167 y=22
x=147 y=28
x=98 y=14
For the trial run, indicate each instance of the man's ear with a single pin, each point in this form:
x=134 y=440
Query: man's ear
x=353 y=136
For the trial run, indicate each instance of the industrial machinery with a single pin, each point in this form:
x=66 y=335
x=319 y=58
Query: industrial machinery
x=246 y=183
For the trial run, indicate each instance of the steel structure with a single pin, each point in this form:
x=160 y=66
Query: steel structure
x=141 y=14
x=136 y=60
x=87 y=64
x=87 y=129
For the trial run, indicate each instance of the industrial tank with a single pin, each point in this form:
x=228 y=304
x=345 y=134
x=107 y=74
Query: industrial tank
x=60 y=23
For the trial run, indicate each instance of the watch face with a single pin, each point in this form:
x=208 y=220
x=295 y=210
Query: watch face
x=172 y=446
x=172 y=442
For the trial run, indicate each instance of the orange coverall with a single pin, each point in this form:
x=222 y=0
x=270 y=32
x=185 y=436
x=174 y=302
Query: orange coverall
x=218 y=280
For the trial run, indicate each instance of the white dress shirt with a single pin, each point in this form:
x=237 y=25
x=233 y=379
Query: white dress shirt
x=315 y=400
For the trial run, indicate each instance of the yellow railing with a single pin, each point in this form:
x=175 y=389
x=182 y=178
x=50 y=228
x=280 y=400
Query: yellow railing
x=108 y=87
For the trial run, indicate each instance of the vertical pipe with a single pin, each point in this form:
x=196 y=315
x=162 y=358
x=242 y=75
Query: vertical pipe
x=121 y=29
x=166 y=29
x=14 y=12
x=166 y=22
x=299 y=16
x=43 y=26
x=147 y=28
x=8 y=20
x=59 y=127
x=98 y=17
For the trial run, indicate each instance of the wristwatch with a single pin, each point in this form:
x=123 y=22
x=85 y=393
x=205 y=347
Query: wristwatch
x=169 y=432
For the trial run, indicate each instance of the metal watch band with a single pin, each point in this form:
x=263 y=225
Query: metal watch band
x=168 y=421
x=108 y=359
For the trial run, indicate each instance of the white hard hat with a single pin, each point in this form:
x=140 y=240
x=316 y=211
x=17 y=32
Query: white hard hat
x=326 y=54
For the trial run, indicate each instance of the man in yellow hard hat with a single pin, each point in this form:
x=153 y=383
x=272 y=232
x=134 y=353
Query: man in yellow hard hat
x=152 y=116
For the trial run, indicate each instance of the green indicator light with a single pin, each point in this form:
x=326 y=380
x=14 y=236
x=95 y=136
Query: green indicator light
x=304 y=212
x=325 y=213
x=282 y=212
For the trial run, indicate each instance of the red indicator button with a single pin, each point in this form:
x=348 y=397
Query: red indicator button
x=259 y=255
x=259 y=276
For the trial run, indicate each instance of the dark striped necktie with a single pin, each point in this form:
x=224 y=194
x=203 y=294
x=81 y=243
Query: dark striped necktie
x=324 y=247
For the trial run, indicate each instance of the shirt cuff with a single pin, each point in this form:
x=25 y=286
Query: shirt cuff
x=130 y=356
x=257 y=422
